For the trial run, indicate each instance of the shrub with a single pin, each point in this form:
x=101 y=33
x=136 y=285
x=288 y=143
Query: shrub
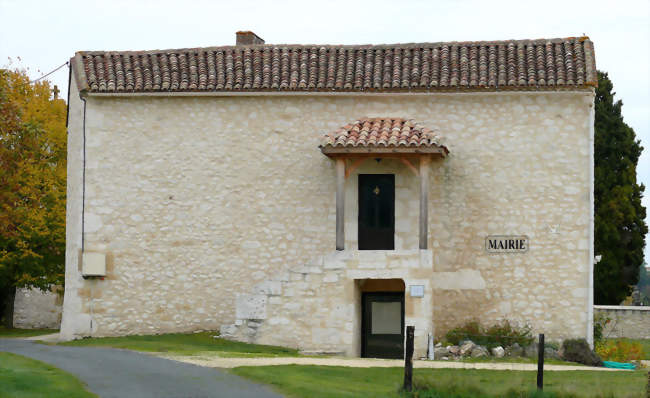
x=501 y=334
x=600 y=321
x=505 y=334
x=470 y=331
x=577 y=350
x=621 y=350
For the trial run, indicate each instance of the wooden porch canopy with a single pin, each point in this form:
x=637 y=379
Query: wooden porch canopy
x=398 y=138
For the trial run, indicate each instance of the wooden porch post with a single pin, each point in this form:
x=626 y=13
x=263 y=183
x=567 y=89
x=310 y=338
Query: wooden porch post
x=340 y=204
x=424 y=201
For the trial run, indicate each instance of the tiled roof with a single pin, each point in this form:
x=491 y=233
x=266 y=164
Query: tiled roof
x=380 y=133
x=498 y=65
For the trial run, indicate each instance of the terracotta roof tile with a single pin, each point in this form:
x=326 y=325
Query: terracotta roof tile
x=498 y=65
x=383 y=132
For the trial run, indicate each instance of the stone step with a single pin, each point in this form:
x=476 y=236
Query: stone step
x=250 y=309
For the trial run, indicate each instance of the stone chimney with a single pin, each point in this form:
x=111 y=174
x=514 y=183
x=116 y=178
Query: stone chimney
x=247 y=38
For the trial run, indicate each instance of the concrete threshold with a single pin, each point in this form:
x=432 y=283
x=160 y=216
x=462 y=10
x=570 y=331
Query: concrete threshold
x=49 y=338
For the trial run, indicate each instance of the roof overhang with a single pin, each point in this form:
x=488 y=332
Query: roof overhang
x=332 y=151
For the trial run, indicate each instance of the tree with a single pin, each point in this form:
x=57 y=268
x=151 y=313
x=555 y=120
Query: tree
x=32 y=187
x=644 y=284
x=619 y=216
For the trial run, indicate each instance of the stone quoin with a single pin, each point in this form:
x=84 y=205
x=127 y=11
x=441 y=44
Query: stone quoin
x=325 y=197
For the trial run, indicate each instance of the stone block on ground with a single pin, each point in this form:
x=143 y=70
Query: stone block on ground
x=531 y=351
x=480 y=351
x=466 y=348
x=514 y=350
x=439 y=352
x=498 y=352
x=227 y=331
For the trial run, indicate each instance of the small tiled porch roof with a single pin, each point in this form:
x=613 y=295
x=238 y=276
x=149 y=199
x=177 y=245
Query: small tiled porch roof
x=382 y=135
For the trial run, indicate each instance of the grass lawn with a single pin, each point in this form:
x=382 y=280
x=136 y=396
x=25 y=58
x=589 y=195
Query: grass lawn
x=24 y=332
x=547 y=361
x=186 y=344
x=646 y=347
x=26 y=378
x=331 y=381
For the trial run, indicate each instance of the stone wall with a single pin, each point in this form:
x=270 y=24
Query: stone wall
x=35 y=309
x=317 y=307
x=76 y=318
x=197 y=200
x=626 y=321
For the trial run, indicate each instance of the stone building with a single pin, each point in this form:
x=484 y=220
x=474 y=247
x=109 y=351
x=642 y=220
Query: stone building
x=324 y=196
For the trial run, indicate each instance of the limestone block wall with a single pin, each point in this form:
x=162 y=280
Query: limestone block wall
x=631 y=322
x=317 y=307
x=35 y=309
x=196 y=200
x=76 y=320
x=515 y=168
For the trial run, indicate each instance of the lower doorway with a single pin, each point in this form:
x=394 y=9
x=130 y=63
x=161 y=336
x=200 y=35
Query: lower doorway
x=382 y=324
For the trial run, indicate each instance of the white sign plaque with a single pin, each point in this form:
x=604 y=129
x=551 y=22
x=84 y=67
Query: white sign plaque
x=506 y=244
x=417 y=290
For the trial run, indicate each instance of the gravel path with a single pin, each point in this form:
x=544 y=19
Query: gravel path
x=110 y=372
x=216 y=362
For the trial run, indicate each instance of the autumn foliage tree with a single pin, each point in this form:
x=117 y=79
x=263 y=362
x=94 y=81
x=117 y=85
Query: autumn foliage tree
x=32 y=187
x=619 y=223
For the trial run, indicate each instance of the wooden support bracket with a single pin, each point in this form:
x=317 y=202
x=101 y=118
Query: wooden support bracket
x=353 y=166
x=409 y=165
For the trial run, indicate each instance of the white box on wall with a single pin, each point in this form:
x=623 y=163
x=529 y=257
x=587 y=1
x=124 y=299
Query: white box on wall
x=417 y=290
x=93 y=264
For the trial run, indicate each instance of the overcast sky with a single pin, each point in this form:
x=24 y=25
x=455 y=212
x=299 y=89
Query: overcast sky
x=45 y=34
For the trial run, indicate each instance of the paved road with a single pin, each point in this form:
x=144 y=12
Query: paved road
x=118 y=373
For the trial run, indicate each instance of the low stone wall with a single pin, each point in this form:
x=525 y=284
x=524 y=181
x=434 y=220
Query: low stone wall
x=626 y=321
x=35 y=309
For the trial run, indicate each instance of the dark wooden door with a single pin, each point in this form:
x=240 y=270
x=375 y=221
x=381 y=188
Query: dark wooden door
x=382 y=326
x=376 y=212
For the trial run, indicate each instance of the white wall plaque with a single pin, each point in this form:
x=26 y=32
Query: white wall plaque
x=417 y=290
x=506 y=244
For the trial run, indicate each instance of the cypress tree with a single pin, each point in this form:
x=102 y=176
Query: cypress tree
x=619 y=215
